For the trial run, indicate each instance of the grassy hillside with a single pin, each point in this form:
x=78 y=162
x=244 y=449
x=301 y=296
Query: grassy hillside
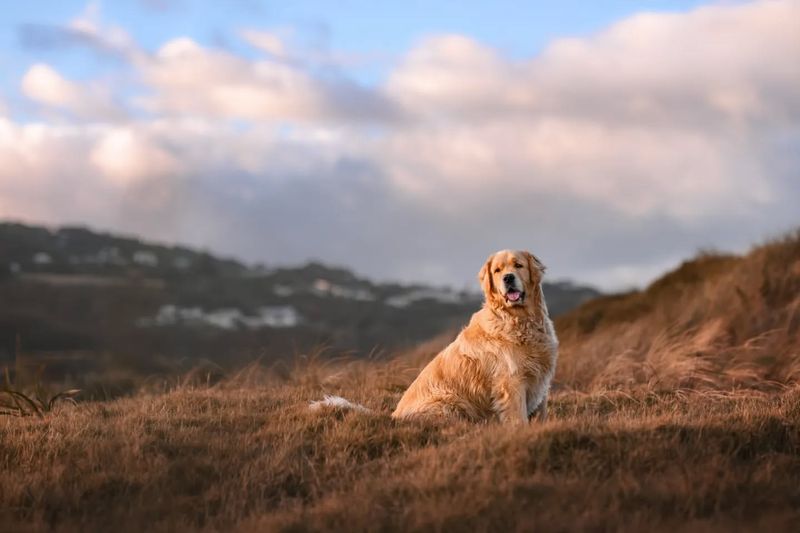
x=255 y=459
x=717 y=321
x=677 y=407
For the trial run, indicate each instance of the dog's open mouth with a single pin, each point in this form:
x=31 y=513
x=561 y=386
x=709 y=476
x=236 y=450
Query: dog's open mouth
x=514 y=295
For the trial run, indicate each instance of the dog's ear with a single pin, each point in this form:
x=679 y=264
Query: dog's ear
x=535 y=267
x=485 y=277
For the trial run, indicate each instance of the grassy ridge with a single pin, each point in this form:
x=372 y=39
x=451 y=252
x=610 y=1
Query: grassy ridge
x=256 y=459
x=674 y=407
x=716 y=322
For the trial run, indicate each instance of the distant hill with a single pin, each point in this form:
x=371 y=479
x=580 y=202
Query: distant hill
x=77 y=250
x=79 y=292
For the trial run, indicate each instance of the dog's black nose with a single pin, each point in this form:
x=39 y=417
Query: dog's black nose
x=509 y=279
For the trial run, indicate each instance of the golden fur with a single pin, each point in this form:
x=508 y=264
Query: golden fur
x=502 y=362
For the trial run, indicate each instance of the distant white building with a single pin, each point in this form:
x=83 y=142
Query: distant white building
x=440 y=295
x=110 y=256
x=145 y=258
x=282 y=290
x=225 y=318
x=284 y=316
x=42 y=258
x=323 y=287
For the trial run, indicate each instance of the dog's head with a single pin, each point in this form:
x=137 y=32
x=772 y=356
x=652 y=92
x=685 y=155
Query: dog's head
x=511 y=279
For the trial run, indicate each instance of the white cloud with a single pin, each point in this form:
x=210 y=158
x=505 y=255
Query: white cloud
x=108 y=38
x=188 y=79
x=717 y=63
x=455 y=75
x=43 y=84
x=660 y=113
x=610 y=155
x=124 y=155
x=45 y=175
x=724 y=62
x=269 y=42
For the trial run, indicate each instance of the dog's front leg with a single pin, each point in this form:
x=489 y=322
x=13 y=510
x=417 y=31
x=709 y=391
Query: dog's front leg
x=510 y=402
x=541 y=411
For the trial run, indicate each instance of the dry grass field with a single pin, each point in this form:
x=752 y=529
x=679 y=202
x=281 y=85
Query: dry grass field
x=675 y=408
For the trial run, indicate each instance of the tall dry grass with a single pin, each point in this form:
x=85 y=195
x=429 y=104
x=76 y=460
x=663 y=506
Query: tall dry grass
x=717 y=322
x=247 y=454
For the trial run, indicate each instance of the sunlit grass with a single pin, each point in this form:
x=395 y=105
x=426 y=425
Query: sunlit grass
x=15 y=402
x=248 y=454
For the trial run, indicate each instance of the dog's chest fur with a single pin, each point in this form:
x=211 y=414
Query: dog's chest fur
x=530 y=362
x=524 y=347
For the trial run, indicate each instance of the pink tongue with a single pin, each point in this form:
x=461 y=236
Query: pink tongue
x=513 y=296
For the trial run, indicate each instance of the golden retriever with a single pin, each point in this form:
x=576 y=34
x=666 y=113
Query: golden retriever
x=500 y=366
x=502 y=363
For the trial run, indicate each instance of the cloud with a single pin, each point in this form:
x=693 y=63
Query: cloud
x=43 y=84
x=717 y=65
x=124 y=156
x=455 y=76
x=86 y=30
x=185 y=78
x=108 y=38
x=269 y=42
x=45 y=175
x=612 y=156
x=714 y=64
x=38 y=37
x=660 y=113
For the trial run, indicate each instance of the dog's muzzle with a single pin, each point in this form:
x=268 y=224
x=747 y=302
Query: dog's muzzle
x=513 y=294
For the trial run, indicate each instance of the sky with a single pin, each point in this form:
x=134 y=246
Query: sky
x=409 y=140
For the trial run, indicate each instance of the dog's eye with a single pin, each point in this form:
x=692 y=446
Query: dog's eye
x=496 y=270
x=517 y=265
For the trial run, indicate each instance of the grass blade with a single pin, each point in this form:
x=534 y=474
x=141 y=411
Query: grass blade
x=67 y=395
